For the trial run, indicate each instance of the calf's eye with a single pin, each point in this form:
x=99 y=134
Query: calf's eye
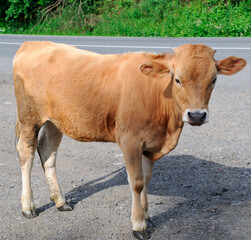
x=178 y=81
x=213 y=82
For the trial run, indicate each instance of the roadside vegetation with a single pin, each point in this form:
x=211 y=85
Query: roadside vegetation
x=139 y=18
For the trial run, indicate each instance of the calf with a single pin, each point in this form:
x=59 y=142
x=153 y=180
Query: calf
x=139 y=100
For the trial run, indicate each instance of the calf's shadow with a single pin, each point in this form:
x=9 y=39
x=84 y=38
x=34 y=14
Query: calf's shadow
x=203 y=184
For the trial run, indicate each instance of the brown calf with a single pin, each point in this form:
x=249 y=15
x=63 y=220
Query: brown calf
x=139 y=100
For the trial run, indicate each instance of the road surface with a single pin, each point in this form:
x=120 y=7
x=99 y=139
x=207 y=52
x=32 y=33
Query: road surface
x=201 y=190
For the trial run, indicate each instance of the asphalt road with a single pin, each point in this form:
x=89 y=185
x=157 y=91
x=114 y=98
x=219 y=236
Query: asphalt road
x=224 y=46
x=201 y=190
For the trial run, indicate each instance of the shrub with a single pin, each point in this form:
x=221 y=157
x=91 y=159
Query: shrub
x=156 y=18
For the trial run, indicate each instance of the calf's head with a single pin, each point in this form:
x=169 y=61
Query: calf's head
x=194 y=73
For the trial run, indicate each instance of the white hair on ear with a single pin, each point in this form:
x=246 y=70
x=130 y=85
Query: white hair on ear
x=173 y=49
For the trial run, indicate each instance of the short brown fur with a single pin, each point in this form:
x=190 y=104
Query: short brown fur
x=138 y=100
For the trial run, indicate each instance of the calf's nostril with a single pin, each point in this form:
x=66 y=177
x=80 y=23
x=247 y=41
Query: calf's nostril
x=190 y=115
x=203 y=116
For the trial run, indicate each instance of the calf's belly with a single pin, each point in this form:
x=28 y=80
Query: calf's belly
x=83 y=130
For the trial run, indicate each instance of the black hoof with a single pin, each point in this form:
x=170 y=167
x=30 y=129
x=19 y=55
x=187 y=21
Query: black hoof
x=149 y=223
x=65 y=207
x=141 y=235
x=30 y=215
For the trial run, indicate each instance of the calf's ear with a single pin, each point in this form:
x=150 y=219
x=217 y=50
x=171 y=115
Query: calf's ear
x=154 y=69
x=230 y=65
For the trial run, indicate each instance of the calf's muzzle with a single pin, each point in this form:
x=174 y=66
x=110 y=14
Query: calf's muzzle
x=195 y=117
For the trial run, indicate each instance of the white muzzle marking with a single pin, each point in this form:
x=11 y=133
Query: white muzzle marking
x=186 y=119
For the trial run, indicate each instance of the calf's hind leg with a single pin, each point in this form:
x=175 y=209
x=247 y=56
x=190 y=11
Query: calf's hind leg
x=47 y=149
x=26 y=147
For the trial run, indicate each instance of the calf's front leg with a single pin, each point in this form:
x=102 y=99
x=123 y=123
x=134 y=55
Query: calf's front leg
x=147 y=166
x=133 y=160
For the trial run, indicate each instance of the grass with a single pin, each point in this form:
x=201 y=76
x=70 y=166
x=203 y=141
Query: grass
x=150 y=18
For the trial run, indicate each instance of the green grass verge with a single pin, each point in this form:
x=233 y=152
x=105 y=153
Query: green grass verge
x=150 y=18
